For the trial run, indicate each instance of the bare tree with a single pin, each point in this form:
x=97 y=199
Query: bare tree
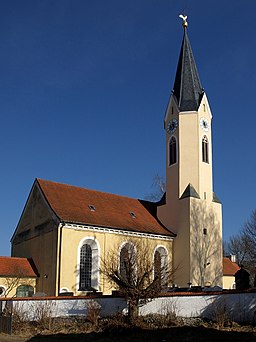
x=249 y=232
x=11 y=283
x=159 y=188
x=136 y=274
x=18 y=278
x=238 y=245
x=243 y=245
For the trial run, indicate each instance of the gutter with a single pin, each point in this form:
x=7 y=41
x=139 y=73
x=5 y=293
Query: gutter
x=61 y=225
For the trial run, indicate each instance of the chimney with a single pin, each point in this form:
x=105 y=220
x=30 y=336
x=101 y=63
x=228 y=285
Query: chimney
x=233 y=257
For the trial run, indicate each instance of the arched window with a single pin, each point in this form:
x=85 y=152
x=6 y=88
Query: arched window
x=157 y=267
x=2 y=291
x=85 y=268
x=127 y=263
x=24 y=291
x=172 y=151
x=88 y=265
x=161 y=269
x=205 y=153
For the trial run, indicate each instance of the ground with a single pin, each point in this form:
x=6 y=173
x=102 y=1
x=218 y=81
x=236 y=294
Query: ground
x=173 y=334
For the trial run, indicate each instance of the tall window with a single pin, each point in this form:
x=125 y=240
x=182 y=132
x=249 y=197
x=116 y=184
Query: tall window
x=157 y=267
x=161 y=267
x=172 y=151
x=205 y=153
x=85 y=282
x=88 y=265
x=127 y=262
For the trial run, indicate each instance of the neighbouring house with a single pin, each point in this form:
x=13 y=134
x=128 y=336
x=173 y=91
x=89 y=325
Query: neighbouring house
x=230 y=268
x=18 y=277
x=68 y=230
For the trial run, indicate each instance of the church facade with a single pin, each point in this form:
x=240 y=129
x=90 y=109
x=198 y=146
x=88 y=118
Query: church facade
x=69 y=231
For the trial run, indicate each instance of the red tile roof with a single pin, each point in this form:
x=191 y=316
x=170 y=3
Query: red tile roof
x=71 y=204
x=229 y=267
x=21 y=267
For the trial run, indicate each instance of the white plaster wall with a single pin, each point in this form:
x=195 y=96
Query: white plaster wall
x=65 y=307
x=240 y=306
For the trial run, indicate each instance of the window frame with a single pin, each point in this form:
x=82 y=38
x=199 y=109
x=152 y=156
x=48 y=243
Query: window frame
x=172 y=151
x=95 y=273
x=164 y=260
x=131 y=250
x=4 y=290
x=205 y=149
x=27 y=290
x=85 y=269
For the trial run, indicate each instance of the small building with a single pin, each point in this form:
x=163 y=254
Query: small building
x=17 y=277
x=229 y=270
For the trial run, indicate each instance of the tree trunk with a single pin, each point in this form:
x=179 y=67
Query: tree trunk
x=133 y=310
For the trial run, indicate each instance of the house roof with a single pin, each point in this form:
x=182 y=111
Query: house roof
x=229 y=267
x=83 y=206
x=187 y=87
x=19 y=267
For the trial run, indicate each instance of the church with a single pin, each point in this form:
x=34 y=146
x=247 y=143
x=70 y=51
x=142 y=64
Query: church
x=68 y=231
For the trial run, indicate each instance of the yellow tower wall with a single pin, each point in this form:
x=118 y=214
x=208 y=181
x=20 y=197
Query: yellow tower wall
x=196 y=221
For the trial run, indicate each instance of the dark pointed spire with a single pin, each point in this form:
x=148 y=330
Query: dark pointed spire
x=187 y=87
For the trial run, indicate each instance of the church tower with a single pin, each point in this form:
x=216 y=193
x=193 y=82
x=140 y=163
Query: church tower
x=191 y=209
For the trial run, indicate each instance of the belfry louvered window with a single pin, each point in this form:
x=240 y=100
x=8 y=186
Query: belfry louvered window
x=205 y=152
x=172 y=151
x=85 y=282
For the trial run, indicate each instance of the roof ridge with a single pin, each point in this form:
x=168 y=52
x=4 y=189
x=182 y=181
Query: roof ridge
x=92 y=190
x=70 y=204
x=12 y=257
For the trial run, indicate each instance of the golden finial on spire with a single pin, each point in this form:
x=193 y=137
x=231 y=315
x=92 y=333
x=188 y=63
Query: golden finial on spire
x=184 y=18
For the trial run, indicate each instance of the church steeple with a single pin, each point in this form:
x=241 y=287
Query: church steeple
x=187 y=87
x=191 y=210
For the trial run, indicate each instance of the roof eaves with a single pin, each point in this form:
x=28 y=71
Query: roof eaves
x=119 y=229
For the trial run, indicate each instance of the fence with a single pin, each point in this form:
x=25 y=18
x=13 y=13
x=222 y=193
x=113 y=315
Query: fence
x=6 y=324
x=6 y=317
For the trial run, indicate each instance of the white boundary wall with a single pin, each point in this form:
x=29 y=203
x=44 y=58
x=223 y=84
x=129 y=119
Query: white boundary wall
x=66 y=307
x=241 y=307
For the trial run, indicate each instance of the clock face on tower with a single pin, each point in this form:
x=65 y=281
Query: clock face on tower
x=204 y=124
x=172 y=126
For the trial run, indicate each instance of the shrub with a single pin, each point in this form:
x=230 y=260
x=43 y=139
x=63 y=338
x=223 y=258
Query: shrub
x=93 y=309
x=43 y=314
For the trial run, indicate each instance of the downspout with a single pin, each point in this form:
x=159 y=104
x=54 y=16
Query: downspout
x=61 y=225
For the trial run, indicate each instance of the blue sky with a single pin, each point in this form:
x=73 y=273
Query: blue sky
x=84 y=87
